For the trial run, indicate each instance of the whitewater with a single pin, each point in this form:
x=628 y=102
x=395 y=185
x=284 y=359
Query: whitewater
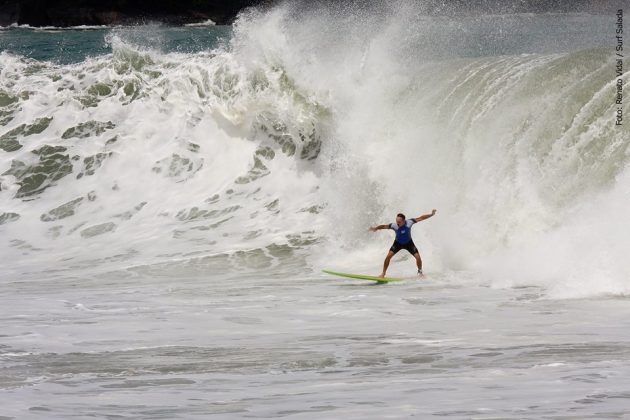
x=169 y=197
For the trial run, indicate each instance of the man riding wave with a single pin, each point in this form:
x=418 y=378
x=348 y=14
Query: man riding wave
x=403 y=240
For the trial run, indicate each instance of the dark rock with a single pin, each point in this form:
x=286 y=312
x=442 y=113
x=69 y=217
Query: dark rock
x=64 y=13
x=9 y=13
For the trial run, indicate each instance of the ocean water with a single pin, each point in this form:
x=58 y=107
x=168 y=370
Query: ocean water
x=169 y=197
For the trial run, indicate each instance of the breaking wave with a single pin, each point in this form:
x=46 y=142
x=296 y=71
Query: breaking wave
x=278 y=150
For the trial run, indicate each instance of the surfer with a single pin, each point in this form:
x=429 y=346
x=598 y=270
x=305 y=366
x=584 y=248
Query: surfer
x=403 y=240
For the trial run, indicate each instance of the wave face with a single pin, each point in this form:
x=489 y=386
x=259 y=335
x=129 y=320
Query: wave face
x=279 y=149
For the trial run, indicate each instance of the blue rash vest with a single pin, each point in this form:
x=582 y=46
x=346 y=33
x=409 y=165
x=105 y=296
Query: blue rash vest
x=403 y=233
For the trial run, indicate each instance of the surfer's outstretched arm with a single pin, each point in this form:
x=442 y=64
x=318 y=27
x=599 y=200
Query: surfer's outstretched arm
x=425 y=216
x=379 y=227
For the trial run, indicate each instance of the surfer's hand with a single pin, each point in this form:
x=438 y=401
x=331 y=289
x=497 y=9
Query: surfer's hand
x=372 y=229
x=433 y=212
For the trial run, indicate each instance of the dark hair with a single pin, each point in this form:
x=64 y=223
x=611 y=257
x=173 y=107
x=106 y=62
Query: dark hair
x=401 y=215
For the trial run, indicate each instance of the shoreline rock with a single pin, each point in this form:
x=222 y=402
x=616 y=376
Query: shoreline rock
x=69 y=13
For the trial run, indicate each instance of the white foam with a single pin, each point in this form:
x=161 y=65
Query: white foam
x=207 y=22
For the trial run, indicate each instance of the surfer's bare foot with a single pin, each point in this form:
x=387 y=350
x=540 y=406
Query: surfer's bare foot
x=382 y=276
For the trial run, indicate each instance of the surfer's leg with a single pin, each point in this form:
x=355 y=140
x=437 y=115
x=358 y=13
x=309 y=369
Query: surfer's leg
x=416 y=254
x=418 y=261
x=389 y=256
x=411 y=247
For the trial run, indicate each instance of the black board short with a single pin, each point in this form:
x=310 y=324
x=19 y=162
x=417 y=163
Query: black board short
x=409 y=246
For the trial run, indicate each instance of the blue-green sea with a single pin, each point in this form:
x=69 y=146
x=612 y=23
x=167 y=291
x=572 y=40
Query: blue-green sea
x=75 y=45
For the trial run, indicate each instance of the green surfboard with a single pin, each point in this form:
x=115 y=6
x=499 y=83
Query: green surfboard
x=360 y=277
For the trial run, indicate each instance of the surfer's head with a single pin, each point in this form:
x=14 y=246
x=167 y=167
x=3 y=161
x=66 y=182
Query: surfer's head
x=400 y=219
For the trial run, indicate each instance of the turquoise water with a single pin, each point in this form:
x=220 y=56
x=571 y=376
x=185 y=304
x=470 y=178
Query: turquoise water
x=73 y=46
